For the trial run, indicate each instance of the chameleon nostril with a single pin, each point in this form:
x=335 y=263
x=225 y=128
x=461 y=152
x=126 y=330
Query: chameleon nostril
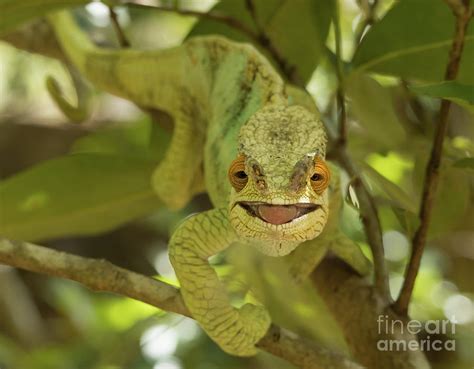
x=261 y=184
x=257 y=170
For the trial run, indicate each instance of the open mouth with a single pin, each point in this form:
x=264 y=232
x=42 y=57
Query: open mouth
x=278 y=214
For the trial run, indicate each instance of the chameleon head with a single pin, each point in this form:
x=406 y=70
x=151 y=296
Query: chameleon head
x=279 y=180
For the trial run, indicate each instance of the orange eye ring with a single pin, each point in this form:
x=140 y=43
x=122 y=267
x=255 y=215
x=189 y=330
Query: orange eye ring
x=321 y=177
x=237 y=176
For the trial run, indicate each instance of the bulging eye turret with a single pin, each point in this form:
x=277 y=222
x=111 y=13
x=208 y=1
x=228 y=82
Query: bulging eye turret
x=321 y=176
x=237 y=176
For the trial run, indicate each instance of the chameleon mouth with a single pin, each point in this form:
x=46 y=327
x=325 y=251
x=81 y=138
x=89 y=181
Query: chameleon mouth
x=278 y=214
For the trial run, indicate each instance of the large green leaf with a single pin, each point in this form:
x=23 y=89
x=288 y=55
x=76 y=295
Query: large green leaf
x=76 y=194
x=396 y=194
x=143 y=138
x=413 y=41
x=451 y=90
x=15 y=12
x=297 y=28
x=372 y=105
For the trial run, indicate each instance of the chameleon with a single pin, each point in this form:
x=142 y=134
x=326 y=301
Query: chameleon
x=257 y=147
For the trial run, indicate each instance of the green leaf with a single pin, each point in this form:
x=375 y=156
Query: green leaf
x=408 y=220
x=143 y=138
x=451 y=90
x=14 y=12
x=372 y=105
x=451 y=202
x=297 y=28
x=396 y=194
x=76 y=195
x=413 y=41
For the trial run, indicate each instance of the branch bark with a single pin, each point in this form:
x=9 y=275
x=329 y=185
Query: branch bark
x=101 y=275
x=357 y=307
x=463 y=16
x=122 y=39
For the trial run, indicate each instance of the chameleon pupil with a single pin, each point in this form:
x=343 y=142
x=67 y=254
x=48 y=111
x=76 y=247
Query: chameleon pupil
x=241 y=174
x=316 y=177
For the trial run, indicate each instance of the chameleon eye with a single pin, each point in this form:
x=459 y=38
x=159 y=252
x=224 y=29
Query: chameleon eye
x=237 y=176
x=320 y=178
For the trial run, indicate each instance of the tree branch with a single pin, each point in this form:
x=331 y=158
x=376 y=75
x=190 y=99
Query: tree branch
x=98 y=275
x=368 y=209
x=302 y=353
x=433 y=167
x=122 y=39
x=358 y=308
x=341 y=104
x=101 y=275
x=370 y=221
x=458 y=6
x=259 y=38
x=253 y=13
x=159 y=117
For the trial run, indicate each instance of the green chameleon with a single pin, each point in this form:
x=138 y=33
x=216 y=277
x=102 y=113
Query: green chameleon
x=255 y=145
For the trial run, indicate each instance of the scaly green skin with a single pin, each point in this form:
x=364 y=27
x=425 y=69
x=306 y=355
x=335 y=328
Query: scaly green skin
x=225 y=99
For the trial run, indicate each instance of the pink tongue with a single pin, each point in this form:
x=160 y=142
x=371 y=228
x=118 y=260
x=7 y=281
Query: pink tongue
x=276 y=214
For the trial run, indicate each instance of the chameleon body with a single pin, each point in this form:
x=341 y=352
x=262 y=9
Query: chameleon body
x=238 y=136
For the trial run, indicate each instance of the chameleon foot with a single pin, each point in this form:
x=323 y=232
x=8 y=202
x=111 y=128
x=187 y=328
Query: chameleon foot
x=240 y=339
x=256 y=321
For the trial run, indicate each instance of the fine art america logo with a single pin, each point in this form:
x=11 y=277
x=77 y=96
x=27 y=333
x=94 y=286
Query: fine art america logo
x=398 y=335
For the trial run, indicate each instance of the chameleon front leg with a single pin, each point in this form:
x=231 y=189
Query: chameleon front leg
x=235 y=330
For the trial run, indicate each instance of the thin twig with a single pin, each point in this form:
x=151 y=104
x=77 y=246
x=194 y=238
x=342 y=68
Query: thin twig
x=218 y=17
x=370 y=220
x=457 y=6
x=258 y=38
x=368 y=210
x=122 y=39
x=157 y=116
x=340 y=78
x=101 y=275
x=434 y=163
x=253 y=13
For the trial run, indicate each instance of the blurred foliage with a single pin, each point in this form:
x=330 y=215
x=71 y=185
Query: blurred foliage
x=301 y=46
x=452 y=90
x=86 y=189
x=15 y=13
x=412 y=33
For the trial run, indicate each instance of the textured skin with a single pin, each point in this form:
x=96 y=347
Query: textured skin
x=280 y=142
x=226 y=100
